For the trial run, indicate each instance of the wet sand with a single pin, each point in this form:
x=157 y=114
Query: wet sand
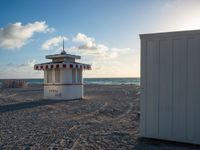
x=107 y=118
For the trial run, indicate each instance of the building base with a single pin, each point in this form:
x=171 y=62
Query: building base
x=63 y=92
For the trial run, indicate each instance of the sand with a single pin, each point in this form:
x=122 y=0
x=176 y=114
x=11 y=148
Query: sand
x=107 y=118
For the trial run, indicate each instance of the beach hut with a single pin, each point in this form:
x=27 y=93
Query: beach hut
x=170 y=86
x=63 y=76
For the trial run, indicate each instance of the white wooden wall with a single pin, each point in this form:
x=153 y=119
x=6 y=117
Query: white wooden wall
x=69 y=87
x=66 y=76
x=170 y=86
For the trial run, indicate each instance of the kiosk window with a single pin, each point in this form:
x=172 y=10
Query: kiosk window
x=57 y=75
x=73 y=76
x=79 y=75
x=49 y=76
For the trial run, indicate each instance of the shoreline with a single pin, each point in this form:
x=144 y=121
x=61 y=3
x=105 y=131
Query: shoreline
x=105 y=81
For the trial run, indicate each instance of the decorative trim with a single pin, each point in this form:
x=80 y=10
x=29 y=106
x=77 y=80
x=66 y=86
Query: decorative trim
x=62 y=65
x=57 y=84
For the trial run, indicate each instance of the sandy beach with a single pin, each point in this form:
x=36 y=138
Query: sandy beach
x=107 y=118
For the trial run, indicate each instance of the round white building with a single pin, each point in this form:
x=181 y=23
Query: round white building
x=63 y=76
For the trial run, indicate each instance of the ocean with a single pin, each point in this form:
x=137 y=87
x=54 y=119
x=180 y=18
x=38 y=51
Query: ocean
x=112 y=81
x=115 y=81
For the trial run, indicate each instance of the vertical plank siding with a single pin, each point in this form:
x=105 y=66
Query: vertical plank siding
x=170 y=87
x=165 y=105
x=152 y=88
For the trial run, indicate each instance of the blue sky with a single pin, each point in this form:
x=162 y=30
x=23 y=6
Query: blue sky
x=104 y=32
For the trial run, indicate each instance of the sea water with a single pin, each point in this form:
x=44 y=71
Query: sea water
x=114 y=81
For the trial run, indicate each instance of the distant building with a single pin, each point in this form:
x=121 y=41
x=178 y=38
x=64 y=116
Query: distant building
x=63 y=76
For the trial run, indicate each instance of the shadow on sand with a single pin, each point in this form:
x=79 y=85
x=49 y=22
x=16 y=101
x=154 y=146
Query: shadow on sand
x=154 y=144
x=32 y=104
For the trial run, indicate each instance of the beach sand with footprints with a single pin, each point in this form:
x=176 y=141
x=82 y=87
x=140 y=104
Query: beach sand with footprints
x=107 y=118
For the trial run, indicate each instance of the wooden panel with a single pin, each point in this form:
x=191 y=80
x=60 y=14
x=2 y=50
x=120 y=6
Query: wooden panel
x=49 y=76
x=193 y=111
x=57 y=75
x=73 y=75
x=152 y=88
x=143 y=88
x=170 y=100
x=179 y=88
x=165 y=98
x=45 y=76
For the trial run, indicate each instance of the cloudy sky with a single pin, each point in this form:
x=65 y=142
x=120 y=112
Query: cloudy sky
x=104 y=32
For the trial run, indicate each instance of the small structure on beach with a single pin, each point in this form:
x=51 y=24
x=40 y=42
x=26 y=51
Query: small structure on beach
x=63 y=76
x=170 y=86
x=13 y=83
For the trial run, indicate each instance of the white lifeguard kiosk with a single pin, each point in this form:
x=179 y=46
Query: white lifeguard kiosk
x=63 y=76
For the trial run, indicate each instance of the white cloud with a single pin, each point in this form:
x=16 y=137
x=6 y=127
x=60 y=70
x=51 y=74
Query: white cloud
x=89 y=47
x=16 y=35
x=105 y=61
x=53 y=42
x=29 y=63
x=24 y=70
x=87 y=42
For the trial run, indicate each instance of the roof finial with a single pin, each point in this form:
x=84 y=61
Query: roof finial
x=63 y=51
x=63 y=45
